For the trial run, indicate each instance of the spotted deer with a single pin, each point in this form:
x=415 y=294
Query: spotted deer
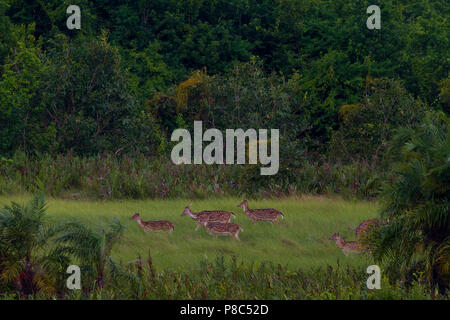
x=364 y=226
x=223 y=229
x=261 y=214
x=153 y=225
x=346 y=246
x=208 y=216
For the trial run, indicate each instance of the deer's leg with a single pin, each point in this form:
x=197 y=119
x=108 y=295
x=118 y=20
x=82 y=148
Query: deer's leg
x=236 y=235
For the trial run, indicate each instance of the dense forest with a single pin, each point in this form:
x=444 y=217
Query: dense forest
x=138 y=69
x=362 y=113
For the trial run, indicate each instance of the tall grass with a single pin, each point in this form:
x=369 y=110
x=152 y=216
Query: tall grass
x=233 y=279
x=139 y=177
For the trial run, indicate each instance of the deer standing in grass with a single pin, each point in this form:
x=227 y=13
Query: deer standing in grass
x=346 y=246
x=208 y=216
x=223 y=229
x=261 y=214
x=153 y=225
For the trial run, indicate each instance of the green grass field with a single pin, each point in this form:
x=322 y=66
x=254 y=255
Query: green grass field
x=300 y=241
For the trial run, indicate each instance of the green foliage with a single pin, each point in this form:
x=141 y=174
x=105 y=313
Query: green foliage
x=148 y=71
x=88 y=97
x=25 y=249
x=246 y=97
x=444 y=95
x=311 y=61
x=223 y=100
x=91 y=248
x=140 y=177
x=24 y=122
x=34 y=253
x=27 y=12
x=324 y=85
x=78 y=100
x=232 y=279
x=367 y=128
x=415 y=236
x=288 y=35
x=6 y=36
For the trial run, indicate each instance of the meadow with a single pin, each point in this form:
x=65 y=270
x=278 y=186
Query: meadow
x=299 y=241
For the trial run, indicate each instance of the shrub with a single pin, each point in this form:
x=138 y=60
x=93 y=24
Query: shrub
x=366 y=128
x=415 y=236
x=28 y=264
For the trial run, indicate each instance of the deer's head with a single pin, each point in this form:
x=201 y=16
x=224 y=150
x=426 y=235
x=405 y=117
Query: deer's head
x=186 y=211
x=243 y=204
x=334 y=237
x=135 y=216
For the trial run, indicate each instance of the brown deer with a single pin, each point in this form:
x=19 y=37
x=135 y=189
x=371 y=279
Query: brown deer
x=223 y=229
x=346 y=246
x=208 y=216
x=261 y=214
x=364 y=226
x=153 y=225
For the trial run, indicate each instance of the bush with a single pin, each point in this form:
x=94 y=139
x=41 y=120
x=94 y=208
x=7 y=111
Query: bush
x=88 y=98
x=415 y=236
x=28 y=264
x=24 y=122
x=366 y=128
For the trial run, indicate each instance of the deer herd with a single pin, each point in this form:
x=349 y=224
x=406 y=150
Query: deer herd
x=218 y=222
